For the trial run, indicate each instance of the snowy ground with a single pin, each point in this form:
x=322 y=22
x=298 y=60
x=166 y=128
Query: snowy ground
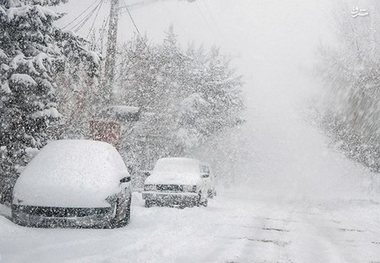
x=234 y=228
x=301 y=201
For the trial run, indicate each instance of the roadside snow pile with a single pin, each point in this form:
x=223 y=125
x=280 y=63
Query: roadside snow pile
x=175 y=171
x=71 y=173
x=5 y=211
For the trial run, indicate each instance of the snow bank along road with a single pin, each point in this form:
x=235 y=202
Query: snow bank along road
x=235 y=227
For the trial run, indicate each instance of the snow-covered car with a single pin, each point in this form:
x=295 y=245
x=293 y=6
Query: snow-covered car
x=177 y=181
x=209 y=181
x=73 y=183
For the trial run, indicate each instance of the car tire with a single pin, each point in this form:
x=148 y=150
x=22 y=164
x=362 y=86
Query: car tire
x=204 y=203
x=200 y=202
x=123 y=222
x=127 y=218
x=128 y=214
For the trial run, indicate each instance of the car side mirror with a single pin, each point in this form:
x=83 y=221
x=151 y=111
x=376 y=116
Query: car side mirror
x=125 y=180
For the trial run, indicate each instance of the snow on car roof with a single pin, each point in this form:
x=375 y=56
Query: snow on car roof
x=71 y=173
x=177 y=165
x=175 y=171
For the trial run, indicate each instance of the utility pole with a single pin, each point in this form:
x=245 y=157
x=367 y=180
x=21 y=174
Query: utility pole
x=109 y=71
x=103 y=128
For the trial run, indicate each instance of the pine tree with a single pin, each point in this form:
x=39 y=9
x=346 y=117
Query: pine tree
x=32 y=51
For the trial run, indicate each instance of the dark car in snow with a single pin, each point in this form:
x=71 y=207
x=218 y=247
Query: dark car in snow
x=73 y=183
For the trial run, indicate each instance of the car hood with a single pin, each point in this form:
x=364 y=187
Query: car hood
x=72 y=173
x=174 y=178
x=63 y=196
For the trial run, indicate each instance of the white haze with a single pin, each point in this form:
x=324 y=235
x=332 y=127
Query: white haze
x=274 y=44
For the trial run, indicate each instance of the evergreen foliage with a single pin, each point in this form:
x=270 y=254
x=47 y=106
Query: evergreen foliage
x=32 y=52
x=186 y=97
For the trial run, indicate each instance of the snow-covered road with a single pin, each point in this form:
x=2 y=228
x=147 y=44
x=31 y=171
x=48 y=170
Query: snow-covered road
x=302 y=202
x=234 y=228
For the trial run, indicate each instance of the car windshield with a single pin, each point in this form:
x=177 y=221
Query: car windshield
x=177 y=165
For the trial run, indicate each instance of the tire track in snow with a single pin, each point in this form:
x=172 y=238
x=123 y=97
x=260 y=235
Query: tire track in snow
x=311 y=241
x=261 y=235
x=331 y=232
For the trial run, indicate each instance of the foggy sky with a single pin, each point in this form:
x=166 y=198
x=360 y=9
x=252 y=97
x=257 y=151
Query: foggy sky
x=274 y=44
x=268 y=38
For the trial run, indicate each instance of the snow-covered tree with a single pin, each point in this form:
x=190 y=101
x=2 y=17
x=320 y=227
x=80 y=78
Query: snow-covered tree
x=32 y=51
x=186 y=97
x=78 y=95
x=350 y=72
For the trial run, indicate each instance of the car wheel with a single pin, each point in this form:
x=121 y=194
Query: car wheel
x=116 y=222
x=204 y=203
x=198 y=202
x=127 y=216
x=113 y=223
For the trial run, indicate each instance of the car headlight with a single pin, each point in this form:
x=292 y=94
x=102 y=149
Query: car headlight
x=149 y=187
x=190 y=188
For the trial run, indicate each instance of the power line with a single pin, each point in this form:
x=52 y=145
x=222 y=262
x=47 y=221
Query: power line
x=138 y=4
x=133 y=21
x=126 y=7
x=96 y=16
x=102 y=33
x=79 y=26
x=75 y=19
